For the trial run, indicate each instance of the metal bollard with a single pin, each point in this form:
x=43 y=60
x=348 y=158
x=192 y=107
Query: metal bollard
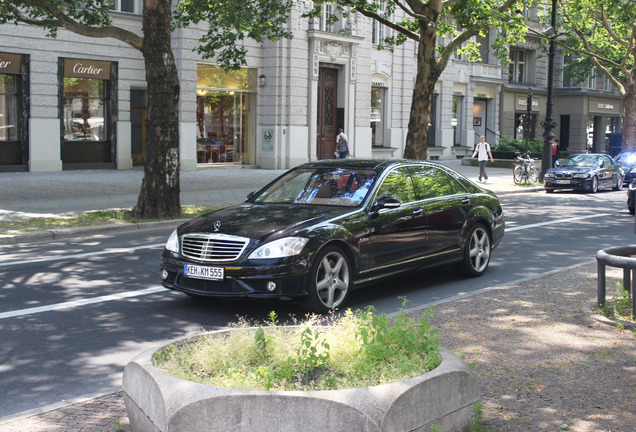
x=621 y=257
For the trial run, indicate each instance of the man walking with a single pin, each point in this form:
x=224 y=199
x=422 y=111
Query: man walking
x=482 y=151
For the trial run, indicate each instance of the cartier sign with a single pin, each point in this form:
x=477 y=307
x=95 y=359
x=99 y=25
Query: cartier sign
x=82 y=68
x=10 y=63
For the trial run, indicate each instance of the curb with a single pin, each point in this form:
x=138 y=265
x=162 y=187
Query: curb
x=614 y=322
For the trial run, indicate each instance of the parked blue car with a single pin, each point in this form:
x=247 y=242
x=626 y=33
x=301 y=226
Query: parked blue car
x=586 y=172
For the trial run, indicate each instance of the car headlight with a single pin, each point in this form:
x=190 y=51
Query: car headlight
x=632 y=186
x=173 y=242
x=586 y=175
x=285 y=247
x=633 y=170
x=548 y=175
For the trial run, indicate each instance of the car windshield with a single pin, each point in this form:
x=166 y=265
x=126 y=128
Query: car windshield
x=628 y=158
x=581 y=160
x=320 y=186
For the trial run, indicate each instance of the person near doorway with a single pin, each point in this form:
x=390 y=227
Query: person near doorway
x=482 y=151
x=555 y=151
x=342 y=145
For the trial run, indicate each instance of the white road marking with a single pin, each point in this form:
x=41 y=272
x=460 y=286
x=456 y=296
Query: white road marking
x=81 y=255
x=556 y=221
x=81 y=302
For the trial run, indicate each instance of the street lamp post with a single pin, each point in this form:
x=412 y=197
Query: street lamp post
x=528 y=117
x=549 y=124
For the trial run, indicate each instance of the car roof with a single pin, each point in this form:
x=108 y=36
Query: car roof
x=374 y=164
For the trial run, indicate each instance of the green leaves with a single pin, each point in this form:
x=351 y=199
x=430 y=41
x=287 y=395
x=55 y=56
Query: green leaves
x=227 y=23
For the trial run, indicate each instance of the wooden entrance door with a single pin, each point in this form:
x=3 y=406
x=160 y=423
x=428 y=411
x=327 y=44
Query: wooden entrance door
x=327 y=112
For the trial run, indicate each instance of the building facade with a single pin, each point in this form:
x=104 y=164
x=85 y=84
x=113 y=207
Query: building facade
x=75 y=102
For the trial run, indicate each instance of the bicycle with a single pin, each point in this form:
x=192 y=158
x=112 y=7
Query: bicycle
x=523 y=170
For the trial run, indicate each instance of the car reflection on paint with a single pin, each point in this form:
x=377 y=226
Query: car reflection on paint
x=586 y=172
x=627 y=161
x=325 y=228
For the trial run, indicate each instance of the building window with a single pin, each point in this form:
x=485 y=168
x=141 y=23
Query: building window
x=517 y=72
x=457 y=120
x=378 y=30
x=378 y=97
x=591 y=80
x=327 y=12
x=127 y=6
x=607 y=84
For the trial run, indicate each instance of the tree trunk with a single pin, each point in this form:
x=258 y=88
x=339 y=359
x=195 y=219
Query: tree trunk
x=629 y=122
x=159 y=196
x=427 y=75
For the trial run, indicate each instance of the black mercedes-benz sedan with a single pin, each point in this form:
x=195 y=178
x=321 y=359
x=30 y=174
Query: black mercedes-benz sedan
x=325 y=228
x=584 y=172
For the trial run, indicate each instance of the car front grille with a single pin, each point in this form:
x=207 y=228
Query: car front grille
x=563 y=176
x=213 y=247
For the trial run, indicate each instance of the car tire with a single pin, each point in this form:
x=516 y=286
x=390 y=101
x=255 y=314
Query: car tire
x=549 y=190
x=477 y=250
x=619 y=183
x=330 y=281
x=594 y=185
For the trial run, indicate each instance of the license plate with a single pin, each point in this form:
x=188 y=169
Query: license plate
x=563 y=181
x=200 y=272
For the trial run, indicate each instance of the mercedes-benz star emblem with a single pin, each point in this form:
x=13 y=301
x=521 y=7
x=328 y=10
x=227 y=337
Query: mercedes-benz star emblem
x=217 y=226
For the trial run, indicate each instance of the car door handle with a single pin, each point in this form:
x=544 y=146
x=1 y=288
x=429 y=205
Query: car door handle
x=465 y=200
x=418 y=212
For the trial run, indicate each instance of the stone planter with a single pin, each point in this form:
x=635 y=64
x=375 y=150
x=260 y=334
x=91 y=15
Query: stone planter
x=156 y=401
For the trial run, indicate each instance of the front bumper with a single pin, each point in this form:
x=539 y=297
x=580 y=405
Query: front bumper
x=574 y=183
x=283 y=281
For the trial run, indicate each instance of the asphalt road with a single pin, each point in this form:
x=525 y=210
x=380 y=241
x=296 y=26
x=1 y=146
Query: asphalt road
x=72 y=313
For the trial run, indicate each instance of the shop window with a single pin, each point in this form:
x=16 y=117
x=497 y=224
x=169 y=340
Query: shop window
x=378 y=96
x=521 y=126
x=13 y=126
x=84 y=109
x=86 y=112
x=223 y=101
x=10 y=149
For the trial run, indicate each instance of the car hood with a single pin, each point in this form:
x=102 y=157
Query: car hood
x=571 y=170
x=260 y=221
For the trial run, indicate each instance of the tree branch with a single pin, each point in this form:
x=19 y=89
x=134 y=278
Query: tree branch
x=608 y=27
x=57 y=18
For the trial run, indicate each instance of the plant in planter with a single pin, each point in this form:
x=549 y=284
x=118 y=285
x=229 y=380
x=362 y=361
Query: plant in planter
x=362 y=371
x=352 y=350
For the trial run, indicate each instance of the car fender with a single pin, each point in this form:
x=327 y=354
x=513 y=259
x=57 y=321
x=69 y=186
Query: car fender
x=478 y=214
x=330 y=235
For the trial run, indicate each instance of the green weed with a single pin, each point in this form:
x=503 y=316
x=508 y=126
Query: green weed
x=351 y=350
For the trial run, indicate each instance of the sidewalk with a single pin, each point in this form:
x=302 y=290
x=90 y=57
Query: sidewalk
x=543 y=361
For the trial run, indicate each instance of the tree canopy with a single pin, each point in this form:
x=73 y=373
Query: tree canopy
x=602 y=38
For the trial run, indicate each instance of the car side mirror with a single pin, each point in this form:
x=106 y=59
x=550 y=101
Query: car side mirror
x=385 y=203
x=557 y=163
x=250 y=195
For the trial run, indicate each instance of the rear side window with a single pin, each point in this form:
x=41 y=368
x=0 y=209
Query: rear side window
x=398 y=184
x=431 y=182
